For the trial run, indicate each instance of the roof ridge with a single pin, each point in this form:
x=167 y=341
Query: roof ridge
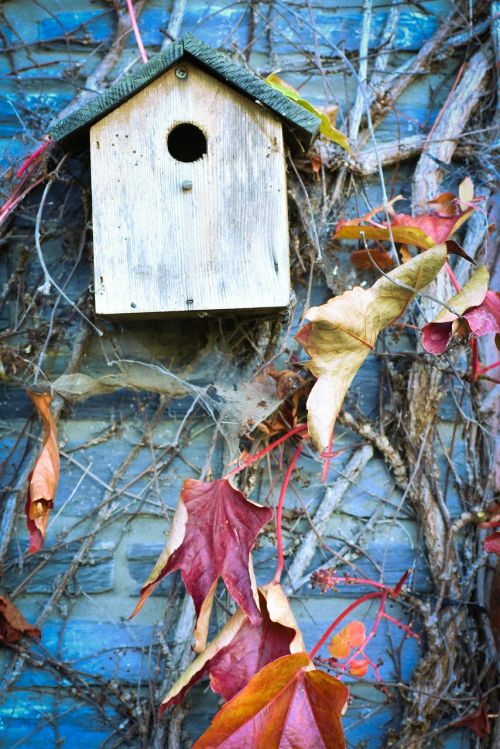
x=72 y=131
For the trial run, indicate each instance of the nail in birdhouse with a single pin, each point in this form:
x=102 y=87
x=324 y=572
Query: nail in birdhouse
x=189 y=192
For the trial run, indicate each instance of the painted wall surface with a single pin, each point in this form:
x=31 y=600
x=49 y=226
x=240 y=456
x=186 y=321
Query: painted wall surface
x=126 y=450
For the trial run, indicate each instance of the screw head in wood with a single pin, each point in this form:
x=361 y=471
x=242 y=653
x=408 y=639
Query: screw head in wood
x=187 y=185
x=181 y=73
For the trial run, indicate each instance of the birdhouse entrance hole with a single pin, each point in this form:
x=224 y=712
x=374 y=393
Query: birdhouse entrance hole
x=186 y=142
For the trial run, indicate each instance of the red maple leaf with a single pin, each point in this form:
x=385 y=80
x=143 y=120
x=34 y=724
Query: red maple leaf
x=477 y=721
x=287 y=704
x=211 y=536
x=492 y=543
x=242 y=648
x=478 y=313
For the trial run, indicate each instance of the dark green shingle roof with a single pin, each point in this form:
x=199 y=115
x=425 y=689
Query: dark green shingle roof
x=72 y=131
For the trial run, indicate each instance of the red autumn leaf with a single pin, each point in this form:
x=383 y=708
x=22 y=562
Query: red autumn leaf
x=13 y=625
x=362 y=261
x=212 y=534
x=287 y=704
x=492 y=543
x=242 y=648
x=349 y=638
x=478 y=312
x=477 y=721
x=423 y=231
x=44 y=477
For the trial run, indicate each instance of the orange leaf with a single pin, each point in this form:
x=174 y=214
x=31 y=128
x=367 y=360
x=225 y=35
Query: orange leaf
x=44 y=477
x=359 y=667
x=352 y=636
x=13 y=625
x=362 y=260
x=286 y=704
x=423 y=231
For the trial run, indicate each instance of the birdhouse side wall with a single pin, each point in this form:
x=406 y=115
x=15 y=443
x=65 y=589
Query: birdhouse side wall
x=183 y=236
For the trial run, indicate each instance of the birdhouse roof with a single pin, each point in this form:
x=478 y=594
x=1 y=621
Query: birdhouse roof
x=302 y=126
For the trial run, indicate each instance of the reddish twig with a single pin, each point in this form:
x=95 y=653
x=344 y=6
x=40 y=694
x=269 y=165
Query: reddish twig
x=483 y=370
x=328 y=456
x=135 y=29
x=383 y=592
x=279 y=513
x=476 y=365
x=324 y=637
x=35 y=156
x=254 y=458
x=452 y=276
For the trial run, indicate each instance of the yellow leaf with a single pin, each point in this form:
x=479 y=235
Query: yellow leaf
x=326 y=128
x=342 y=332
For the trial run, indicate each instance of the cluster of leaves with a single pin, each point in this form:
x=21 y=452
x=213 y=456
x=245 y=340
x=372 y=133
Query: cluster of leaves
x=258 y=662
x=211 y=537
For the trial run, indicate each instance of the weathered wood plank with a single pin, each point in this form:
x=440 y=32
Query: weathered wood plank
x=161 y=248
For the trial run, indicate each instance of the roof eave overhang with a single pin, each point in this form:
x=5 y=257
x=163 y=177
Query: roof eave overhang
x=301 y=126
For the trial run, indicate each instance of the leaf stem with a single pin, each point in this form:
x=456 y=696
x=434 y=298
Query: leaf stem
x=483 y=370
x=476 y=366
x=341 y=617
x=254 y=458
x=279 y=513
x=452 y=276
x=135 y=29
x=328 y=457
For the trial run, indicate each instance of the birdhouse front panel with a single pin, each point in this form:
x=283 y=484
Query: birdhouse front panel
x=189 y=200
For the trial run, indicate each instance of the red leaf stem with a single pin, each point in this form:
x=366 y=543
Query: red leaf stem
x=324 y=637
x=254 y=458
x=452 y=276
x=328 y=456
x=279 y=513
x=399 y=624
x=397 y=588
x=135 y=29
x=33 y=157
x=476 y=365
x=483 y=370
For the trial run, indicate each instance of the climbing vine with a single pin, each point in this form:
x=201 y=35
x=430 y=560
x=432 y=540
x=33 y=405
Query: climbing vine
x=257 y=662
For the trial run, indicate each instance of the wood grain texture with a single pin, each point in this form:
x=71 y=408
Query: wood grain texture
x=223 y=245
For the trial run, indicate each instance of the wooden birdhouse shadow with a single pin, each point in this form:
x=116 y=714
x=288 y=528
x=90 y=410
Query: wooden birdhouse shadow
x=189 y=186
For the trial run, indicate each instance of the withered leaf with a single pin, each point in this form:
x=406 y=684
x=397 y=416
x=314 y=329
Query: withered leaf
x=242 y=648
x=287 y=704
x=212 y=534
x=424 y=231
x=13 y=625
x=343 y=331
x=44 y=477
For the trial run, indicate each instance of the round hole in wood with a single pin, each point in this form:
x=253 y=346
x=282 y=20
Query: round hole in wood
x=186 y=142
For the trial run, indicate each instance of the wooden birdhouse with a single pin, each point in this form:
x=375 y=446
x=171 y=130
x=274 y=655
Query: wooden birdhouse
x=189 y=191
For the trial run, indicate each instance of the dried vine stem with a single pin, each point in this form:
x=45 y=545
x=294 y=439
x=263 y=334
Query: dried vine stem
x=439 y=669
